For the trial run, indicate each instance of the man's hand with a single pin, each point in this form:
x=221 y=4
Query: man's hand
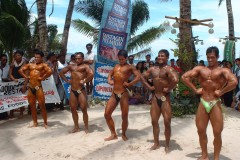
x=166 y=90
x=152 y=88
x=218 y=93
x=24 y=89
x=126 y=85
x=40 y=78
x=82 y=82
x=199 y=91
x=111 y=82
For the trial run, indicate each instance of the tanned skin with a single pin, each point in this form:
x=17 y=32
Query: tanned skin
x=118 y=77
x=165 y=79
x=38 y=72
x=214 y=82
x=80 y=73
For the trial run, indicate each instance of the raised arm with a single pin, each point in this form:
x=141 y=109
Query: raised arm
x=136 y=74
x=110 y=75
x=63 y=72
x=22 y=71
x=90 y=74
x=231 y=81
x=189 y=76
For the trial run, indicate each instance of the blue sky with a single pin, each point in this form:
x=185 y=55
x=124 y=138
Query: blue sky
x=158 y=11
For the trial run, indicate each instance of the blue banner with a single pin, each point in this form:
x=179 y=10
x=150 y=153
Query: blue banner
x=114 y=29
x=102 y=89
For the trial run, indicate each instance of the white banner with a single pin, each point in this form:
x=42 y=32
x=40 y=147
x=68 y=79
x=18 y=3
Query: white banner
x=11 y=96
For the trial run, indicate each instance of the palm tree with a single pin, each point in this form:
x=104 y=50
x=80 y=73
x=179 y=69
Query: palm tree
x=140 y=14
x=14 y=20
x=42 y=24
x=67 y=26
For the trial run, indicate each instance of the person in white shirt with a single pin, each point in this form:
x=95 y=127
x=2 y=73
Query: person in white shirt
x=89 y=59
x=4 y=69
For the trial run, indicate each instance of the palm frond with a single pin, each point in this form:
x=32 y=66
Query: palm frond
x=146 y=37
x=220 y=2
x=84 y=27
x=142 y=52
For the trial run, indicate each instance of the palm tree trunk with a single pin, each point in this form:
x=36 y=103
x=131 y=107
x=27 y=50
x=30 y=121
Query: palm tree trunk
x=67 y=26
x=186 y=49
x=42 y=25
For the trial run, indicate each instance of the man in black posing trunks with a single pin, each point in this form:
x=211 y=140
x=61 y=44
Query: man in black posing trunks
x=118 y=77
x=164 y=80
x=80 y=74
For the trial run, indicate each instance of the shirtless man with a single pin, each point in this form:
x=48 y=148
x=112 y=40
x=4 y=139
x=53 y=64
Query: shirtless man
x=38 y=72
x=214 y=82
x=80 y=74
x=118 y=77
x=164 y=79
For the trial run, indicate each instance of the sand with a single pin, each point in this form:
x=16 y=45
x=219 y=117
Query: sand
x=19 y=142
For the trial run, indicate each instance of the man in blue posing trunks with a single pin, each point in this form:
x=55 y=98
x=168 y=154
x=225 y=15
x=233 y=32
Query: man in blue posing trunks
x=214 y=82
x=118 y=77
x=165 y=79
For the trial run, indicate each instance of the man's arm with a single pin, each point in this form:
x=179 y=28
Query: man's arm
x=144 y=78
x=22 y=71
x=231 y=81
x=47 y=73
x=137 y=76
x=63 y=72
x=173 y=76
x=188 y=77
x=110 y=80
x=90 y=74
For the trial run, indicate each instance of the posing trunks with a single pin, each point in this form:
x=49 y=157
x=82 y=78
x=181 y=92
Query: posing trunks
x=35 y=89
x=159 y=101
x=78 y=92
x=209 y=105
x=118 y=96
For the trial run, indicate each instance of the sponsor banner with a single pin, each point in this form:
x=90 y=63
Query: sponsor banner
x=114 y=29
x=228 y=51
x=66 y=86
x=102 y=89
x=11 y=96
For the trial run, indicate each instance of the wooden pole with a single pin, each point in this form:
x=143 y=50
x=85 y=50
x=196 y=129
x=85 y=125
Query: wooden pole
x=199 y=22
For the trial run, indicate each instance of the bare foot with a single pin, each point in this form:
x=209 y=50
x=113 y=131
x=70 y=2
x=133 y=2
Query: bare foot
x=112 y=137
x=34 y=125
x=74 y=130
x=45 y=126
x=155 y=146
x=86 y=130
x=167 y=150
x=124 y=137
x=202 y=158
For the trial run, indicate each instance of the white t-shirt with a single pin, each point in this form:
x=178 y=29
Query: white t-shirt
x=90 y=56
x=4 y=72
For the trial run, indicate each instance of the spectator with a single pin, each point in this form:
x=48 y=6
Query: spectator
x=18 y=62
x=131 y=60
x=237 y=73
x=148 y=59
x=201 y=63
x=72 y=59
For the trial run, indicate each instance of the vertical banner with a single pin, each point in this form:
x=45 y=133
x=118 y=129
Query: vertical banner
x=114 y=29
x=102 y=89
x=228 y=51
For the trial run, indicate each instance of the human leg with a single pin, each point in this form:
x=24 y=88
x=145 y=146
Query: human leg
x=41 y=102
x=216 y=119
x=167 y=113
x=73 y=104
x=82 y=99
x=32 y=103
x=124 y=108
x=111 y=105
x=202 y=119
x=155 y=115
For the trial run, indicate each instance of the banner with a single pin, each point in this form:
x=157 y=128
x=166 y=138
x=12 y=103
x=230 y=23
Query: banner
x=114 y=29
x=102 y=89
x=11 y=96
x=228 y=51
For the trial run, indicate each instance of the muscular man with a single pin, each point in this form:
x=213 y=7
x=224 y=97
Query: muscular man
x=214 y=82
x=164 y=80
x=80 y=74
x=38 y=72
x=118 y=77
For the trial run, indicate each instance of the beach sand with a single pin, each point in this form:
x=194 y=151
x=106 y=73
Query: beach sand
x=19 y=142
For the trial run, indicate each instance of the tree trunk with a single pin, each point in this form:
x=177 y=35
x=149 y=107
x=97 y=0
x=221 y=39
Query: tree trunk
x=186 y=49
x=42 y=25
x=67 y=26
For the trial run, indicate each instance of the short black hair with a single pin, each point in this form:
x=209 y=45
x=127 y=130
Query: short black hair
x=237 y=59
x=19 y=52
x=39 y=53
x=3 y=55
x=123 y=53
x=172 y=60
x=165 y=52
x=131 y=56
x=89 y=44
x=79 y=53
x=213 y=49
x=50 y=54
x=148 y=55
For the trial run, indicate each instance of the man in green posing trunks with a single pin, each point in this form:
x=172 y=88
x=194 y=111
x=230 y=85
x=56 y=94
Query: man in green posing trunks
x=214 y=82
